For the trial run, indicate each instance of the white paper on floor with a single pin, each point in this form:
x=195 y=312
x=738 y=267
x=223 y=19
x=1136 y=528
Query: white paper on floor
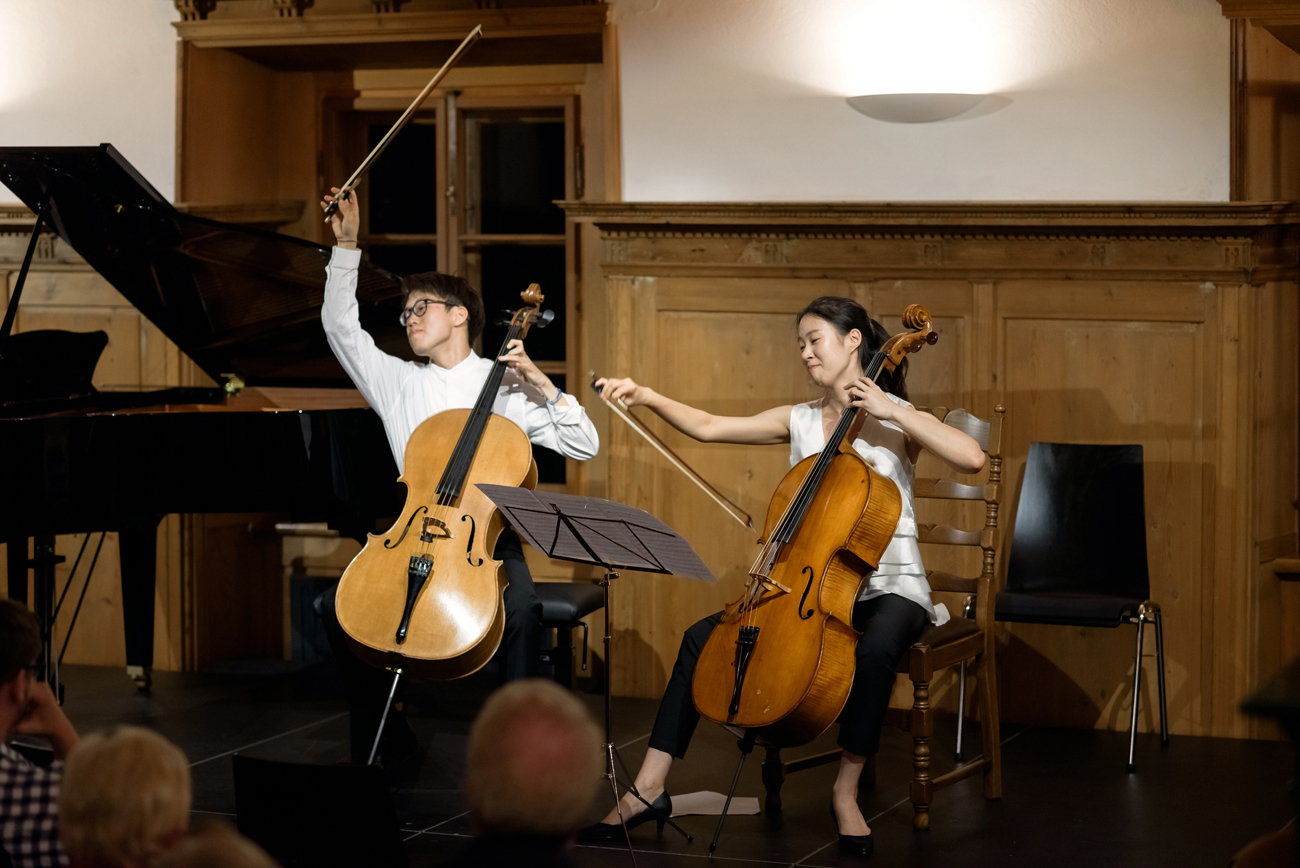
x=708 y=803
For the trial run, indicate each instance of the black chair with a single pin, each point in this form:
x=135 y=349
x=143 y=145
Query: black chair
x=564 y=605
x=1079 y=552
x=320 y=816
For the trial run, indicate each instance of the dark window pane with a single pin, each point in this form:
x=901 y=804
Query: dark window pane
x=404 y=259
x=403 y=183
x=550 y=465
x=506 y=271
x=522 y=167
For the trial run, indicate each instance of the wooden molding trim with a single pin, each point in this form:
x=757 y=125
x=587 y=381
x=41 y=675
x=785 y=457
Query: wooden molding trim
x=247 y=213
x=1236 y=243
x=961 y=214
x=391 y=27
x=1281 y=11
x=19 y=218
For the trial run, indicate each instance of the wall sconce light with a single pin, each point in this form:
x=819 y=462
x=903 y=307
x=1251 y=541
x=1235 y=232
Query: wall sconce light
x=915 y=108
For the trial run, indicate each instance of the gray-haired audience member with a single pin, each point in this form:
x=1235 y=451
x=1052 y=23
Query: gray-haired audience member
x=125 y=800
x=29 y=794
x=533 y=770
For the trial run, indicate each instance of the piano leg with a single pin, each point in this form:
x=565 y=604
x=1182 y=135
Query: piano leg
x=16 y=550
x=138 y=553
x=43 y=563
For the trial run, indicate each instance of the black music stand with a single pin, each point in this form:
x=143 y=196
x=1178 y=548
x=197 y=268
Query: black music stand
x=613 y=536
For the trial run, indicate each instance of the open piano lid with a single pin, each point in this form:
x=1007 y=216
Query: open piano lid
x=234 y=299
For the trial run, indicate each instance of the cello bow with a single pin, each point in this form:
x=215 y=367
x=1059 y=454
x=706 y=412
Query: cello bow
x=346 y=189
x=621 y=410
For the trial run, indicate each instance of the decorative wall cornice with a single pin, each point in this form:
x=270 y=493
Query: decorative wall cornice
x=1246 y=242
x=210 y=31
x=1035 y=216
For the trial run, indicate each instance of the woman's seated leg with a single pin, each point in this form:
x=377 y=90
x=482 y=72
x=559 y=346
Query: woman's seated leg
x=675 y=723
x=889 y=625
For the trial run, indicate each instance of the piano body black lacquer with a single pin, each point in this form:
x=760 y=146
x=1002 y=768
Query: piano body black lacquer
x=244 y=305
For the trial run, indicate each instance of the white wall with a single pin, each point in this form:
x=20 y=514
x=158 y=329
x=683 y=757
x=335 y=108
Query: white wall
x=81 y=72
x=744 y=99
x=736 y=100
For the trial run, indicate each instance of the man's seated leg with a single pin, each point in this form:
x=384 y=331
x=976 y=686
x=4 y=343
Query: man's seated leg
x=367 y=690
x=523 y=632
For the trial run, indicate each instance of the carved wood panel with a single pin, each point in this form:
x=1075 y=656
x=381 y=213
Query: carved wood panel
x=1170 y=326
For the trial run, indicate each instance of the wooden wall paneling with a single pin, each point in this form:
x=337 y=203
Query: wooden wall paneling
x=229 y=129
x=1276 y=373
x=1266 y=116
x=1107 y=375
x=1090 y=323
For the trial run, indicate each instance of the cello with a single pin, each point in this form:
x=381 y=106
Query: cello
x=780 y=663
x=426 y=597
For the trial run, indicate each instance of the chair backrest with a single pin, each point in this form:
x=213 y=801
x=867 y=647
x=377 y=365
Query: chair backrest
x=986 y=538
x=317 y=815
x=1081 y=522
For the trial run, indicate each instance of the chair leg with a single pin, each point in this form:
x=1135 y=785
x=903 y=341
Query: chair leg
x=986 y=676
x=1137 y=688
x=922 y=790
x=773 y=779
x=961 y=707
x=1160 y=674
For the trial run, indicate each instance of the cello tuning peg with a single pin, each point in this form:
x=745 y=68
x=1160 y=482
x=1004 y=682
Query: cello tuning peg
x=544 y=319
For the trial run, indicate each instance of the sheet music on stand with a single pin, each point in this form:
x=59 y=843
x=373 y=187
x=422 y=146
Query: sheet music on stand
x=594 y=531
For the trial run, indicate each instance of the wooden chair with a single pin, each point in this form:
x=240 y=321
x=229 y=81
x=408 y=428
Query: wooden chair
x=965 y=642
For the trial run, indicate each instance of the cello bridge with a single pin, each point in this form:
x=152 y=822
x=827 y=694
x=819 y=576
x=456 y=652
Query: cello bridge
x=426 y=534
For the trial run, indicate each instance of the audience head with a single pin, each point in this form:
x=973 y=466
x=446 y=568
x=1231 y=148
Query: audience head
x=534 y=761
x=125 y=798
x=20 y=645
x=214 y=844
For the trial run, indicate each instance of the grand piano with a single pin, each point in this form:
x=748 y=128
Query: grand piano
x=244 y=305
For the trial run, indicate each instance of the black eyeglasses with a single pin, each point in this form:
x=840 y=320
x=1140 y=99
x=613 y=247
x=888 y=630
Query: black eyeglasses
x=420 y=307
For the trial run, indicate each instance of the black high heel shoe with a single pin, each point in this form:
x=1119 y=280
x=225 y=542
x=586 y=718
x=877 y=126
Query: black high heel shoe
x=853 y=845
x=614 y=831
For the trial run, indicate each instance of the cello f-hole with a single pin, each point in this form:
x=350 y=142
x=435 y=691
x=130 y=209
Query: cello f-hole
x=804 y=616
x=389 y=544
x=469 y=546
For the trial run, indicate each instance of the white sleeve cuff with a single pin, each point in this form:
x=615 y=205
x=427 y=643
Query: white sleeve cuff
x=345 y=258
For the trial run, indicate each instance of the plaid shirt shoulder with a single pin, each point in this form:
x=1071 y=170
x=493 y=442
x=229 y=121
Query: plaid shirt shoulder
x=29 y=803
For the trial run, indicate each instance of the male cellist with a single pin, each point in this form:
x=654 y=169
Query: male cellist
x=443 y=316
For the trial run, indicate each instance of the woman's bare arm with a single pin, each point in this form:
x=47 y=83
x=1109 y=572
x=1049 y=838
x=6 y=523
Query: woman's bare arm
x=770 y=426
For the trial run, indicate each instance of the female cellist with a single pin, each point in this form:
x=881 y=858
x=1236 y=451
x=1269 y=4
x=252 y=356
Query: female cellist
x=836 y=343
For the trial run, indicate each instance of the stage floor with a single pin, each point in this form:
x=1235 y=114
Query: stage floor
x=1067 y=799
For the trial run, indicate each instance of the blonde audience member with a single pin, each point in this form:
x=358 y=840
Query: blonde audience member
x=214 y=844
x=533 y=768
x=125 y=799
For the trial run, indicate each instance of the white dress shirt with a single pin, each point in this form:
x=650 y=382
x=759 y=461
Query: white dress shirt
x=883 y=445
x=404 y=393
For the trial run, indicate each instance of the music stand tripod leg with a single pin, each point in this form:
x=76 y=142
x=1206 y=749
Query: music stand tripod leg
x=746 y=745
x=383 y=719
x=611 y=752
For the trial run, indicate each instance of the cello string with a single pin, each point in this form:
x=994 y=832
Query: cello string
x=467 y=445
x=812 y=482
x=794 y=512
x=458 y=466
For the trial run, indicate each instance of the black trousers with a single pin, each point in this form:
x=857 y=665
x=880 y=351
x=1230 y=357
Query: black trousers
x=367 y=687
x=889 y=625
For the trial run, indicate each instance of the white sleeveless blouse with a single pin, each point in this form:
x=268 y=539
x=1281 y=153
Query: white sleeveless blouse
x=883 y=446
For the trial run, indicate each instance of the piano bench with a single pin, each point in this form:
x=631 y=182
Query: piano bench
x=564 y=605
